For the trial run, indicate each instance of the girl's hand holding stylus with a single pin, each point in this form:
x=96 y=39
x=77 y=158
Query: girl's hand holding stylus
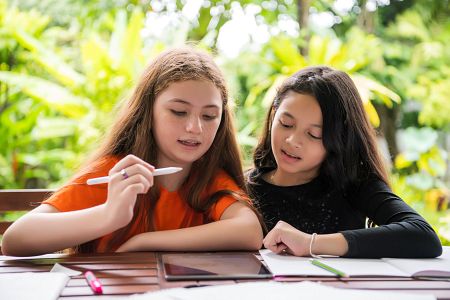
x=284 y=237
x=128 y=178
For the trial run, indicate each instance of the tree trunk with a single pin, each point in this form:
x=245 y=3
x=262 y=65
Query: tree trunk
x=366 y=18
x=388 y=116
x=302 y=19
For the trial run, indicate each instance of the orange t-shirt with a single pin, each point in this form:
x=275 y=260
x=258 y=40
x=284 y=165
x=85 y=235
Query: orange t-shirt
x=170 y=211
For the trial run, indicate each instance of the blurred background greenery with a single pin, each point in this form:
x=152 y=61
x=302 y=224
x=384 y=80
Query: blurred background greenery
x=65 y=65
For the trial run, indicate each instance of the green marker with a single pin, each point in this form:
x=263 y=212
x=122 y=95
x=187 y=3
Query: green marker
x=328 y=268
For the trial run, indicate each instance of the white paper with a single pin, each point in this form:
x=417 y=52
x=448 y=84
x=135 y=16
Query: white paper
x=364 y=267
x=288 y=265
x=439 y=266
x=24 y=286
x=61 y=269
x=270 y=290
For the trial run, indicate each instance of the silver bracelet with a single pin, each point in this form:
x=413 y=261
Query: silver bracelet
x=313 y=238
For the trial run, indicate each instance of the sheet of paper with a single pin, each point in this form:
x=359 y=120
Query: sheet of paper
x=288 y=265
x=276 y=290
x=69 y=272
x=24 y=286
x=439 y=266
x=363 y=267
x=445 y=252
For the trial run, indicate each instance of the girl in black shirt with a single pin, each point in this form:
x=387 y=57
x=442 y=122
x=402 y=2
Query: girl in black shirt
x=318 y=176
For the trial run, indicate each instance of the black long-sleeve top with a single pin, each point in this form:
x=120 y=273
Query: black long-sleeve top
x=316 y=207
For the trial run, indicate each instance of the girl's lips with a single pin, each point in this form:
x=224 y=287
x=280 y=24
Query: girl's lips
x=189 y=143
x=290 y=155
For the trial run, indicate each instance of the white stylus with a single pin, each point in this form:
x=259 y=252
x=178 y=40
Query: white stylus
x=157 y=172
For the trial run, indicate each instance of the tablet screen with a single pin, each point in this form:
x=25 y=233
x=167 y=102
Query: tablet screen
x=217 y=265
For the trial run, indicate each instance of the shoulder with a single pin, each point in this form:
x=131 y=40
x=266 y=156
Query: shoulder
x=372 y=184
x=99 y=167
x=372 y=193
x=255 y=184
x=76 y=195
x=254 y=176
x=104 y=163
x=223 y=181
x=251 y=172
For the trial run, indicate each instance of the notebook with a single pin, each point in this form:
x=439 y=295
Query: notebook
x=288 y=265
x=42 y=285
x=427 y=267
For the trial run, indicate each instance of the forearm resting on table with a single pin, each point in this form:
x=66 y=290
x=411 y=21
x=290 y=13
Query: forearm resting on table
x=330 y=244
x=238 y=233
x=43 y=231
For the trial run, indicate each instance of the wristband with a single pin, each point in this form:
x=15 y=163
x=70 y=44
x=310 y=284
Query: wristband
x=313 y=238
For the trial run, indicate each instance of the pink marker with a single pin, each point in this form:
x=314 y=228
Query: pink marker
x=94 y=283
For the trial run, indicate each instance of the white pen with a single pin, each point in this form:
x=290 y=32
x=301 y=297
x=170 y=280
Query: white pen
x=157 y=172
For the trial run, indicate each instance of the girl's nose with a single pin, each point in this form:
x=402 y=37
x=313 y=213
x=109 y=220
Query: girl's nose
x=194 y=125
x=294 y=141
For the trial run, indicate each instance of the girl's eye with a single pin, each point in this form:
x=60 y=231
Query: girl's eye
x=178 y=112
x=209 y=117
x=315 y=137
x=285 y=125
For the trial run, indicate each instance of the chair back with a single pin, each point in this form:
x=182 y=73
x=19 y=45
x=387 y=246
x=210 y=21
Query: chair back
x=20 y=200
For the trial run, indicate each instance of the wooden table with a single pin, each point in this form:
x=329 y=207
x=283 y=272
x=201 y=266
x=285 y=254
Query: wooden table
x=129 y=273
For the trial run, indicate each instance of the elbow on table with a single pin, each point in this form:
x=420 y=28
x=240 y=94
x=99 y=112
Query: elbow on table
x=421 y=240
x=254 y=245
x=19 y=250
x=254 y=237
x=427 y=244
x=13 y=244
x=434 y=248
x=9 y=247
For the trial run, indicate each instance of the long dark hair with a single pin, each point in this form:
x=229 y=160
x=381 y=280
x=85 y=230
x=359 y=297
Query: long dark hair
x=348 y=137
x=132 y=134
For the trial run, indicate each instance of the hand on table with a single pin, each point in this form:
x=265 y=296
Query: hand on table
x=284 y=237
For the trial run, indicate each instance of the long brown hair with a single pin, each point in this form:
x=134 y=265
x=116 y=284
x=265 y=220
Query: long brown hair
x=132 y=134
x=348 y=137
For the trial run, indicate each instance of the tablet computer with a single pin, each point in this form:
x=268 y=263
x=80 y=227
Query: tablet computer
x=212 y=265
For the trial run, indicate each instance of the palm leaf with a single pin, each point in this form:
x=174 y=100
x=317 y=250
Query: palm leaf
x=49 y=93
x=60 y=70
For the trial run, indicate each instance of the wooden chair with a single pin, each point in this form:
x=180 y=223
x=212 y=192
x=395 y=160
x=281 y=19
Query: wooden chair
x=20 y=200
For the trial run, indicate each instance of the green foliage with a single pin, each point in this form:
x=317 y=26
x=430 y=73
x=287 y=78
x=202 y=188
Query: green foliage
x=419 y=176
x=421 y=52
x=417 y=52
x=421 y=161
x=52 y=109
x=49 y=93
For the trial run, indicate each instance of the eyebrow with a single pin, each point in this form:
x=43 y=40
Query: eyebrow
x=177 y=100
x=285 y=113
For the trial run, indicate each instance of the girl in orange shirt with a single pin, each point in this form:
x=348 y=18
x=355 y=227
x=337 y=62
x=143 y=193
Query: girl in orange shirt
x=177 y=116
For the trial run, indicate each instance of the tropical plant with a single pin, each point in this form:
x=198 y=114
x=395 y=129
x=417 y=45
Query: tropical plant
x=53 y=112
x=416 y=43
